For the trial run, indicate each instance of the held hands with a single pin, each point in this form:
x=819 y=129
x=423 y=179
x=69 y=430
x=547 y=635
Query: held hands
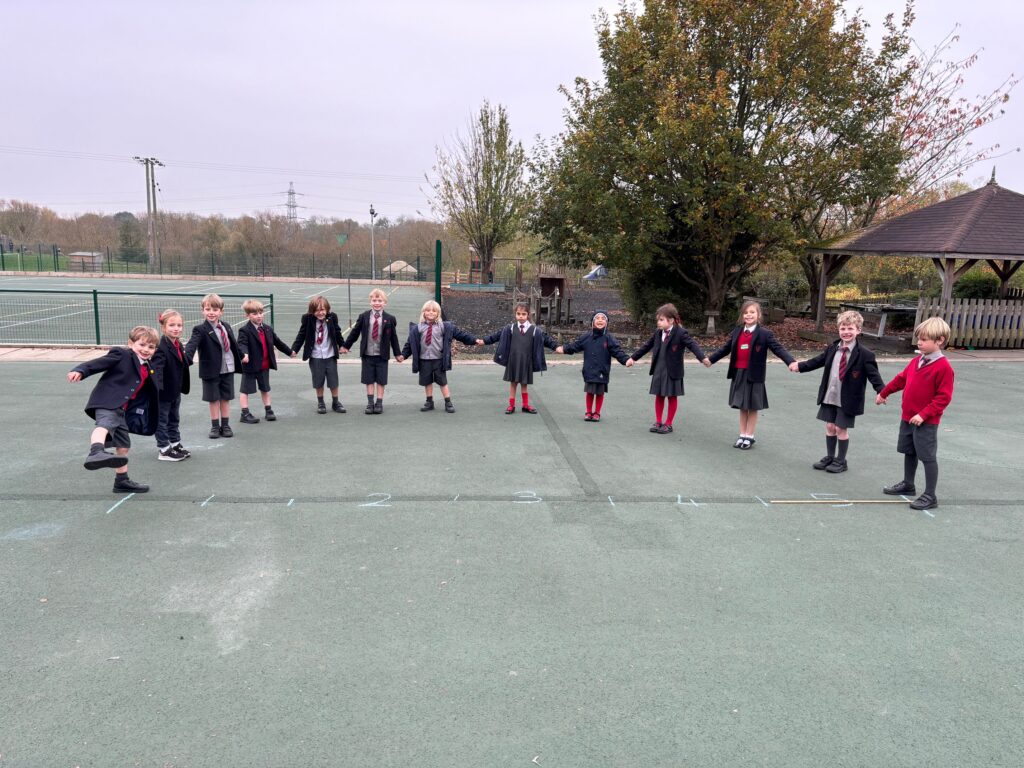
x=343 y=350
x=293 y=354
x=706 y=362
x=560 y=350
x=794 y=367
x=399 y=359
x=479 y=342
x=74 y=376
x=630 y=363
x=879 y=400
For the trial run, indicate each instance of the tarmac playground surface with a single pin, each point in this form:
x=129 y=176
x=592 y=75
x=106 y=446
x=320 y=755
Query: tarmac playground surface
x=476 y=589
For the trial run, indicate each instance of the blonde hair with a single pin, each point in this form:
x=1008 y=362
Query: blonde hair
x=144 y=333
x=850 y=317
x=166 y=315
x=934 y=328
x=251 y=306
x=213 y=300
x=745 y=306
x=379 y=292
x=430 y=305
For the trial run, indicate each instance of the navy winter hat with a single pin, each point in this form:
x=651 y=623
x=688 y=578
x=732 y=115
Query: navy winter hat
x=598 y=312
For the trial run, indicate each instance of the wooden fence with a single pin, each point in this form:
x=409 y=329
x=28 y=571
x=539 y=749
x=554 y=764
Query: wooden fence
x=978 y=323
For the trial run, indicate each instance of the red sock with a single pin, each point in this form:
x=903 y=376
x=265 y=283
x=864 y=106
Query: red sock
x=659 y=407
x=526 y=399
x=511 y=402
x=590 y=403
x=598 y=402
x=673 y=403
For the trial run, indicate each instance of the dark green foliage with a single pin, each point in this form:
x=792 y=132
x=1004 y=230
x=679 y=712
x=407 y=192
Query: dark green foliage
x=977 y=285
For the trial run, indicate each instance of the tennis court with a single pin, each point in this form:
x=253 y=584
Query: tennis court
x=479 y=589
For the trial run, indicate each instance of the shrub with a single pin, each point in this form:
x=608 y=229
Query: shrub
x=977 y=285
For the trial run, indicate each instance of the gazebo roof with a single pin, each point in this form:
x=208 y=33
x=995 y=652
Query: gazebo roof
x=988 y=222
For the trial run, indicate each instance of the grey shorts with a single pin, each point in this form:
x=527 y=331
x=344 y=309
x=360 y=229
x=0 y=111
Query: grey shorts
x=250 y=381
x=113 y=421
x=324 y=369
x=922 y=441
x=375 y=370
x=433 y=372
x=221 y=388
x=833 y=414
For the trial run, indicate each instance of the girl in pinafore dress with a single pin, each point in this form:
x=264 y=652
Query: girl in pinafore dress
x=521 y=351
x=747 y=347
x=669 y=343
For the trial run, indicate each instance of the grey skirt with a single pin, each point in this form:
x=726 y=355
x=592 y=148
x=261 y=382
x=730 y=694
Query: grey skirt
x=747 y=395
x=595 y=387
x=664 y=386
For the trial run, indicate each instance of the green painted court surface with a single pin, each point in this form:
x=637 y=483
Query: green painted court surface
x=487 y=590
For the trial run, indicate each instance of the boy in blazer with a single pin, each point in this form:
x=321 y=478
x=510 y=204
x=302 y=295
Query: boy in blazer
x=379 y=335
x=430 y=347
x=127 y=393
x=319 y=338
x=256 y=342
x=218 y=363
x=848 y=367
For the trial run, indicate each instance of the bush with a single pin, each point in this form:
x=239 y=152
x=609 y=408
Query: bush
x=977 y=285
x=843 y=292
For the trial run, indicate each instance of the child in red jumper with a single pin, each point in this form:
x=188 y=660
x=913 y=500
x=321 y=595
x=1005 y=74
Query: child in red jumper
x=928 y=388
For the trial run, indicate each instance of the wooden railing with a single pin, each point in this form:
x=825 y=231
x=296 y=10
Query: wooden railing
x=978 y=323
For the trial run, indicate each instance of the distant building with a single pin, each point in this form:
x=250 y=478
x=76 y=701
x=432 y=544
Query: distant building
x=86 y=261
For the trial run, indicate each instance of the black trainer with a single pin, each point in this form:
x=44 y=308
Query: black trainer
x=369 y=410
x=824 y=463
x=269 y=415
x=337 y=407
x=902 y=488
x=839 y=465
x=428 y=406
x=225 y=431
x=925 y=501
x=248 y=418
x=448 y=407
x=214 y=432
x=124 y=484
x=321 y=408
x=101 y=459
x=378 y=407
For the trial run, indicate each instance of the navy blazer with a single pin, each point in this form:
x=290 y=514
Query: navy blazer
x=861 y=367
x=504 y=339
x=204 y=339
x=760 y=342
x=670 y=352
x=388 y=334
x=306 y=337
x=451 y=331
x=249 y=344
x=172 y=372
x=598 y=350
x=119 y=382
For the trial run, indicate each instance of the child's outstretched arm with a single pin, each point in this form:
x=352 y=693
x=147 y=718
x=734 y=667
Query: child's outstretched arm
x=89 y=367
x=871 y=369
x=643 y=350
x=778 y=350
x=353 y=335
x=282 y=347
x=723 y=350
x=193 y=342
x=300 y=337
x=493 y=338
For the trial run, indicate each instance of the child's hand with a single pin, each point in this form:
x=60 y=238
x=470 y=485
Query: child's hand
x=706 y=362
x=74 y=376
x=479 y=342
x=630 y=362
x=343 y=350
x=879 y=400
x=560 y=350
x=293 y=354
x=916 y=420
x=399 y=359
x=794 y=367
x=245 y=358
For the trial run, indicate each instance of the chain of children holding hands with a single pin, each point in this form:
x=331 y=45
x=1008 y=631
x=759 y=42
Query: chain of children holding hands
x=142 y=384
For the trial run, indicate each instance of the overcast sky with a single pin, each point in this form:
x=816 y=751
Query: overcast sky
x=345 y=99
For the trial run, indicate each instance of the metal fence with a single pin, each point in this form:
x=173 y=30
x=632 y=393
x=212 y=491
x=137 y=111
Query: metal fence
x=101 y=317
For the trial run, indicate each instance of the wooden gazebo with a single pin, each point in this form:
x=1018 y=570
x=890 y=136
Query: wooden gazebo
x=986 y=224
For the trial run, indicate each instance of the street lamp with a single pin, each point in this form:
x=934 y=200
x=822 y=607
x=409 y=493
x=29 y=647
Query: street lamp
x=373 y=254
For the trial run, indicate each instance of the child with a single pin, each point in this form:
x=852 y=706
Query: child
x=380 y=339
x=124 y=400
x=669 y=343
x=171 y=366
x=598 y=348
x=747 y=347
x=320 y=338
x=928 y=388
x=521 y=351
x=430 y=346
x=218 y=363
x=256 y=342
x=849 y=366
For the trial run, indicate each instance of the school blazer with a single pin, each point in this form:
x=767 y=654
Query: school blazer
x=861 y=367
x=598 y=351
x=204 y=339
x=119 y=382
x=451 y=331
x=306 y=338
x=670 y=352
x=760 y=342
x=172 y=373
x=388 y=334
x=249 y=344
x=504 y=339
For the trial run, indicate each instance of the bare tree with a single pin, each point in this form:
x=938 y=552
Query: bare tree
x=480 y=186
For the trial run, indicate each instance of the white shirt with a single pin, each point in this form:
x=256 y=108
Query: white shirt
x=523 y=327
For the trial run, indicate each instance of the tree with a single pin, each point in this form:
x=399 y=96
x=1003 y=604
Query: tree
x=480 y=186
x=716 y=126
x=129 y=237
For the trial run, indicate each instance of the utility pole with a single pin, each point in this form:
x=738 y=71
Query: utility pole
x=149 y=162
x=373 y=253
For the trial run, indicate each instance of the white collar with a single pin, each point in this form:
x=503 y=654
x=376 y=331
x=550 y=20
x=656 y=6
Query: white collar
x=526 y=325
x=750 y=328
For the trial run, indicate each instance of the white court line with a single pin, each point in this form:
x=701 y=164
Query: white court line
x=122 y=501
x=321 y=293
x=349 y=328
x=45 y=319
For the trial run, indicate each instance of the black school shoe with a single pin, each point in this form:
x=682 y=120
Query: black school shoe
x=427 y=406
x=369 y=410
x=124 y=484
x=655 y=427
x=248 y=418
x=902 y=488
x=378 y=407
x=214 y=432
x=225 y=431
x=824 y=463
x=338 y=407
x=925 y=501
x=448 y=407
x=837 y=466
x=101 y=459
x=321 y=408
x=664 y=429
x=269 y=415
x=528 y=409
